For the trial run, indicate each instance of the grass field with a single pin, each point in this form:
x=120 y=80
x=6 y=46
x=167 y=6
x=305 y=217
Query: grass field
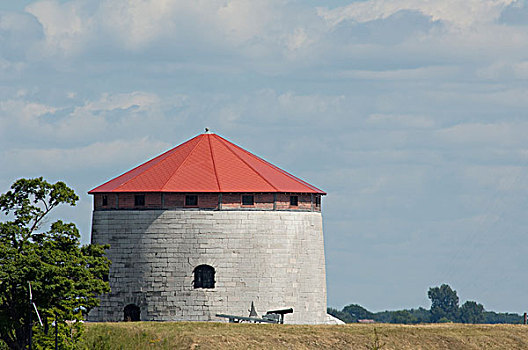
x=198 y=335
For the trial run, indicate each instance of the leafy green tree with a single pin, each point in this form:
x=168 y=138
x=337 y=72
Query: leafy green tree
x=505 y=317
x=65 y=277
x=444 y=303
x=357 y=312
x=422 y=315
x=471 y=312
x=340 y=315
x=403 y=316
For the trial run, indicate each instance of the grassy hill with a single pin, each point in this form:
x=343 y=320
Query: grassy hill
x=198 y=335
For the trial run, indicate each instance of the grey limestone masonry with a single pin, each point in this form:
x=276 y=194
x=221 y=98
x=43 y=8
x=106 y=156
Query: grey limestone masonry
x=272 y=258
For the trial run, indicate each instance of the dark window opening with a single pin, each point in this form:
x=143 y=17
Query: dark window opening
x=191 y=200
x=139 y=200
x=105 y=201
x=294 y=201
x=317 y=201
x=204 y=277
x=248 y=199
x=132 y=313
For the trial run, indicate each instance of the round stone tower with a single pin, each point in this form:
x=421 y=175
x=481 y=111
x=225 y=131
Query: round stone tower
x=208 y=228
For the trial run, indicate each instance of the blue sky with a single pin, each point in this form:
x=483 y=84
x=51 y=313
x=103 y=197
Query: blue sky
x=411 y=114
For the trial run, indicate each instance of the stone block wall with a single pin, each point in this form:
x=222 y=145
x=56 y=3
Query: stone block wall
x=272 y=258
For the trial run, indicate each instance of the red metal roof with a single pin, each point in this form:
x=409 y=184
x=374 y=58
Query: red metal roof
x=207 y=163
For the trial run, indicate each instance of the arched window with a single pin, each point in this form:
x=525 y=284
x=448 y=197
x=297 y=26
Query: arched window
x=131 y=312
x=204 y=276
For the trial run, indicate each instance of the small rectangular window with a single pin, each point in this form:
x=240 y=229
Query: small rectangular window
x=248 y=199
x=139 y=200
x=294 y=201
x=317 y=201
x=105 y=201
x=191 y=200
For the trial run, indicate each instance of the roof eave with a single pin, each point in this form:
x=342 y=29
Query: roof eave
x=96 y=191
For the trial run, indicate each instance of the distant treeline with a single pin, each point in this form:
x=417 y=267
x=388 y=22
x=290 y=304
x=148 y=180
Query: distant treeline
x=444 y=308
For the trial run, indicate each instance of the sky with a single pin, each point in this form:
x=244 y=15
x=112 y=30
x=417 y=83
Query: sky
x=410 y=114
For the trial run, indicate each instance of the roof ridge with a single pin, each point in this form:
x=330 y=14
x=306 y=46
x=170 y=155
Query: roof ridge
x=179 y=166
x=214 y=164
x=284 y=172
x=223 y=141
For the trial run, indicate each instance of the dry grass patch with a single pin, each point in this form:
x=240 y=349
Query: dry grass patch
x=218 y=336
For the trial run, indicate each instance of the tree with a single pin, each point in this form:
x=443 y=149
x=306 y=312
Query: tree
x=357 y=312
x=422 y=315
x=444 y=303
x=471 y=312
x=497 y=317
x=339 y=314
x=403 y=317
x=65 y=277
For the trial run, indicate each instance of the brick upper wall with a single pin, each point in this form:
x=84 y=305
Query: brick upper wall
x=218 y=201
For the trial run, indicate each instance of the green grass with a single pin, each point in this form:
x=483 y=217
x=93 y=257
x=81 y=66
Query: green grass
x=198 y=335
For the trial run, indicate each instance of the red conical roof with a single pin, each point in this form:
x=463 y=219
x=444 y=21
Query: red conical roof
x=207 y=163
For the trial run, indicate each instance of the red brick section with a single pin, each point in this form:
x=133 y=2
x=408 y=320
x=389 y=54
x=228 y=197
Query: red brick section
x=229 y=201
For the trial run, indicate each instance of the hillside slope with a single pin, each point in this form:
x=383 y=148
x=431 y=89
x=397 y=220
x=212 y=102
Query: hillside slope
x=187 y=335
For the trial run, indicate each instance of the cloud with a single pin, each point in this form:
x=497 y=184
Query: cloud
x=509 y=178
x=74 y=26
x=461 y=13
x=71 y=123
x=515 y=14
x=19 y=32
x=124 y=101
x=502 y=69
x=26 y=115
x=401 y=121
x=272 y=38
x=298 y=39
x=421 y=73
x=493 y=134
x=66 y=25
x=80 y=159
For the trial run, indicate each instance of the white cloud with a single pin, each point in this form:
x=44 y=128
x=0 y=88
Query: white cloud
x=242 y=20
x=304 y=105
x=461 y=13
x=506 y=178
x=38 y=122
x=298 y=39
x=275 y=37
x=80 y=159
x=493 y=134
x=432 y=72
x=123 y=101
x=19 y=32
x=401 y=120
x=66 y=25
x=26 y=114
x=504 y=70
x=136 y=24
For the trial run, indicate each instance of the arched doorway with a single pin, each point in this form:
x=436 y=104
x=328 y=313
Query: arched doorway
x=132 y=313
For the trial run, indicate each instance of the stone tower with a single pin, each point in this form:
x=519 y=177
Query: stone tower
x=206 y=228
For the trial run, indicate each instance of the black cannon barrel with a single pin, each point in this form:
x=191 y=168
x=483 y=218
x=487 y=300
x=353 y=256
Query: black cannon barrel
x=281 y=312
